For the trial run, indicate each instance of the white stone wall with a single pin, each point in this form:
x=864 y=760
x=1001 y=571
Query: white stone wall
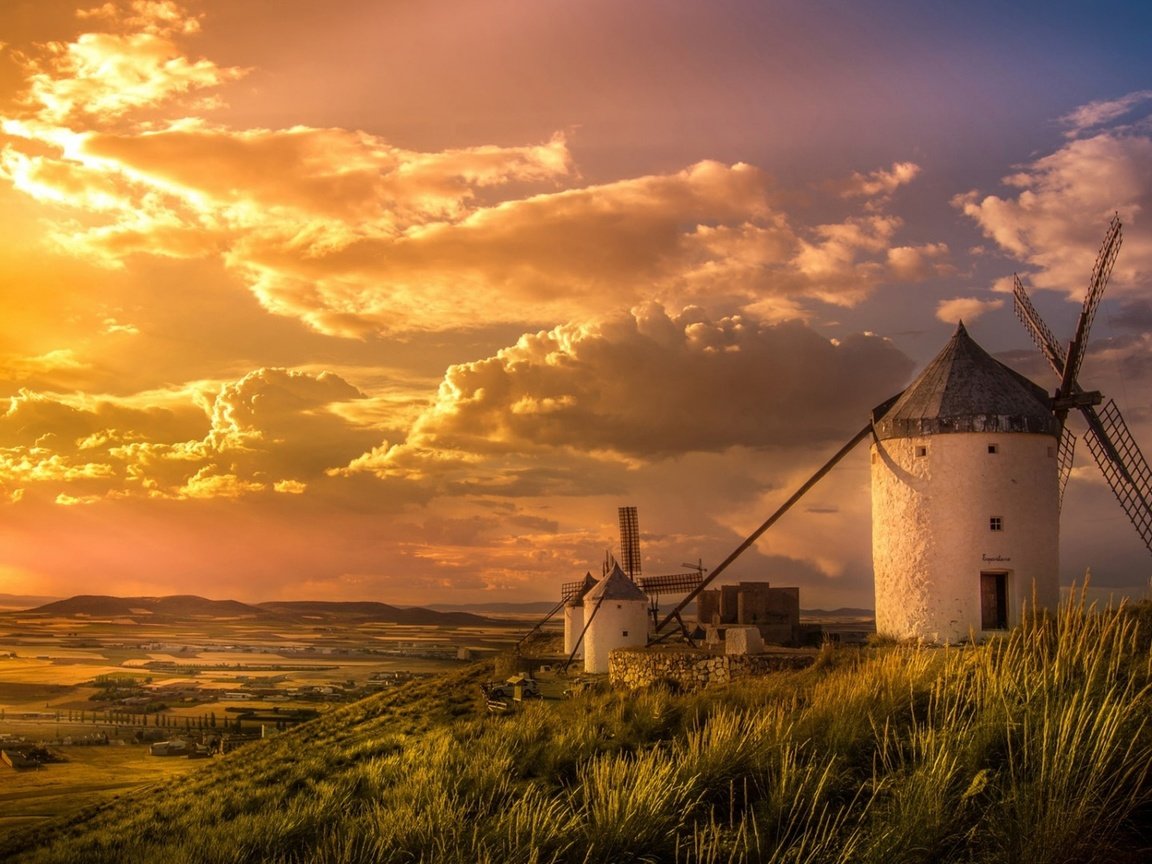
x=931 y=536
x=573 y=625
x=743 y=640
x=617 y=624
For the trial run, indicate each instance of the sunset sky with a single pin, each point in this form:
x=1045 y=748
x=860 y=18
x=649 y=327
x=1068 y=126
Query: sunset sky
x=396 y=300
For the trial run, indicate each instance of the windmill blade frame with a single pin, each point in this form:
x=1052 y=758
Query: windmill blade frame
x=1109 y=439
x=1065 y=453
x=1101 y=271
x=1043 y=337
x=1122 y=464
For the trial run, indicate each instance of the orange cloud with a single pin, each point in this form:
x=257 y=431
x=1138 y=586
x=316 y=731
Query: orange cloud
x=355 y=236
x=1055 y=220
x=965 y=308
x=880 y=183
x=103 y=76
x=640 y=387
x=269 y=431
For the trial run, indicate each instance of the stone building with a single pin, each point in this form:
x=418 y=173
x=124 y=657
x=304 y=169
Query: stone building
x=775 y=612
x=965 y=500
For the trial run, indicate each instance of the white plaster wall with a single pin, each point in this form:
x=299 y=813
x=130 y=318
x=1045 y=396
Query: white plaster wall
x=931 y=536
x=573 y=624
x=606 y=630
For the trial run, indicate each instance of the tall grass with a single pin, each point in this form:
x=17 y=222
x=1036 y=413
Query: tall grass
x=1032 y=748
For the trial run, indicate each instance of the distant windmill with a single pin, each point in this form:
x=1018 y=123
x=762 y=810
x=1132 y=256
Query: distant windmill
x=582 y=600
x=1112 y=445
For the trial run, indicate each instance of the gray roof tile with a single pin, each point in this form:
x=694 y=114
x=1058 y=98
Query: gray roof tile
x=965 y=389
x=616 y=586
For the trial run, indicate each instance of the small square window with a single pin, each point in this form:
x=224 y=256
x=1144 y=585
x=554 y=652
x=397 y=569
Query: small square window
x=921 y=451
x=995 y=523
x=993 y=448
x=624 y=633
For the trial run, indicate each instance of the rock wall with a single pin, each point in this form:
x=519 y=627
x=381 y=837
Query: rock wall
x=693 y=670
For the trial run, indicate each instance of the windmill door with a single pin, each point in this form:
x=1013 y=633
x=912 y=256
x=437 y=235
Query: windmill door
x=993 y=600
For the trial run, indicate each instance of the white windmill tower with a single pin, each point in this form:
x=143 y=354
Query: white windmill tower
x=616 y=616
x=965 y=499
x=574 y=615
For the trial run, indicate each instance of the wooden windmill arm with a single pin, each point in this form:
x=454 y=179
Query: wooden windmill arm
x=1109 y=249
x=1123 y=465
x=1036 y=327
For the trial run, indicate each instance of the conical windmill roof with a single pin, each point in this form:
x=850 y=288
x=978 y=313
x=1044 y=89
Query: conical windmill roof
x=965 y=389
x=587 y=585
x=616 y=586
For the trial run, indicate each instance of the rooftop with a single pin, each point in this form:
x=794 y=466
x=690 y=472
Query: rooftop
x=965 y=389
x=616 y=586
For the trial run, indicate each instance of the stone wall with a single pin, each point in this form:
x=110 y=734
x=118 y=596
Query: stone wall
x=693 y=670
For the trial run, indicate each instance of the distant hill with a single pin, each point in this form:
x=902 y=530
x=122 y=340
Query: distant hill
x=175 y=606
x=541 y=607
x=371 y=611
x=186 y=606
x=438 y=614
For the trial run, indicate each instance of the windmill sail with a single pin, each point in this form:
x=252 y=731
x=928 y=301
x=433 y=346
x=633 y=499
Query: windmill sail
x=671 y=583
x=1109 y=249
x=1035 y=325
x=1123 y=465
x=629 y=542
x=1064 y=455
x=1108 y=437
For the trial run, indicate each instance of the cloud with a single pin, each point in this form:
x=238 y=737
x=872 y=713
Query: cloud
x=103 y=76
x=646 y=386
x=1054 y=220
x=965 y=308
x=880 y=183
x=56 y=360
x=846 y=260
x=1102 y=112
x=354 y=236
x=917 y=263
x=271 y=431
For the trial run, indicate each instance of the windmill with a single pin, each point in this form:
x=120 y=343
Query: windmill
x=579 y=614
x=1108 y=437
x=968 y=469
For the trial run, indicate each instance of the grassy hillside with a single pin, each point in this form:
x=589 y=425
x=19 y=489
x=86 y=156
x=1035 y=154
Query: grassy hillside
x=1035 y=748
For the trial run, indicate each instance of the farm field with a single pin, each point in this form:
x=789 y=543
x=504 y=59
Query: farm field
x=64 y=679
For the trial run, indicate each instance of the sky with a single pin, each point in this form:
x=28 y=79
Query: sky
x=400 y=301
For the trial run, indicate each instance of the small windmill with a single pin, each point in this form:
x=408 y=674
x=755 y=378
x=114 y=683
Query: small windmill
x=1109 y=440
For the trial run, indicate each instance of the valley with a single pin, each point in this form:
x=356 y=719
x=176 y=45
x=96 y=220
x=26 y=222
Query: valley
x=93 y=686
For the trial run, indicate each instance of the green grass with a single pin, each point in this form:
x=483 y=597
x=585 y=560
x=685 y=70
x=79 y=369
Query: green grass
x=1033 y=748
